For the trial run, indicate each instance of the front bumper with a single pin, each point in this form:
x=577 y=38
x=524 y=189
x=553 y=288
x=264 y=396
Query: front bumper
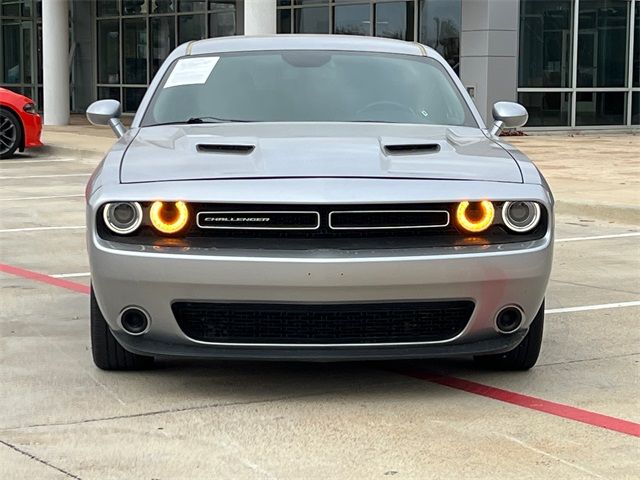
x=152 y=278
x=32 y=129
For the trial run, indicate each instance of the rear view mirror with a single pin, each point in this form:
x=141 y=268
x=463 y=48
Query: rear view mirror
x=508 y=115
x=106 y=112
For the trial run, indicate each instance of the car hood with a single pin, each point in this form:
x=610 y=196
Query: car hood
x=285 y=150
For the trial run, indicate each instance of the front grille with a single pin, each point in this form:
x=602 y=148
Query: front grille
x=354 y=323
x=224 y=226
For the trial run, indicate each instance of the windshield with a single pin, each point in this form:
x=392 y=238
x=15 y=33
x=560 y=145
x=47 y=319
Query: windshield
x=307 y=86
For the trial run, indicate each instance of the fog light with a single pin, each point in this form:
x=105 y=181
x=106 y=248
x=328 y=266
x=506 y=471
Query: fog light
x=169 y=217
x=521 y=216
x=122 y=217
x=475 y=217
x=134 y=321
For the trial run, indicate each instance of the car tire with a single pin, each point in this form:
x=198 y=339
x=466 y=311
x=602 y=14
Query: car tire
x=525 y=355
x=10 y=133
x=108 y=354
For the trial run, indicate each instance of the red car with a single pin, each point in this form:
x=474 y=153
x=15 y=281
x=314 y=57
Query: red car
x=20 y=124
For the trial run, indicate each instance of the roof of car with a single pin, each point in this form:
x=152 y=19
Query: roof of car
x=305 y=42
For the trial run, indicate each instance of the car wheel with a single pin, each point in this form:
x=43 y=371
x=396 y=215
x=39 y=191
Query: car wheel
x=10 y=133
x=525 y=355
x=108 y=354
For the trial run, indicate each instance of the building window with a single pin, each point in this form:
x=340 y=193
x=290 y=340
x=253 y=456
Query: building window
x=134 y=37
x=439 y=25
x=21 y=47
x=545 y=43
x=577 y=66
x=433 y=22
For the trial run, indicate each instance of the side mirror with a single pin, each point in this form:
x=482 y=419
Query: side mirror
x=508 y=115
x=107 y=113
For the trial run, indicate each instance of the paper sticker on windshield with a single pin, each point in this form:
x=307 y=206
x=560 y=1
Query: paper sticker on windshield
x=191 y=71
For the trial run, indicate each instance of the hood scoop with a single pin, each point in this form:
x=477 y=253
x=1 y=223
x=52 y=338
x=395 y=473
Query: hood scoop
x=225 y=148
x=412 y=148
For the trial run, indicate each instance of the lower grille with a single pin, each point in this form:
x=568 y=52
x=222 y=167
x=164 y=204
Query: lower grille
x=355 y=323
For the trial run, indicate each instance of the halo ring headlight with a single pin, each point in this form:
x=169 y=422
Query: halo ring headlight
x=521 y=217
x=480 y=220
x=122 y=217
x=169 y=217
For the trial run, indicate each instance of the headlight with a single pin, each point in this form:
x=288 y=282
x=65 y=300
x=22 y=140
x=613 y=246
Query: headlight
x=169 y=217
x=475 y=217
x=30 y=108
x=122 y=217
x=520 y=216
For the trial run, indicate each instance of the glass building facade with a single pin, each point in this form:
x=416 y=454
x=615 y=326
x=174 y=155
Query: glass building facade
x=21 y=46
x=579 y=62
x=436 y=23
x=133 y=37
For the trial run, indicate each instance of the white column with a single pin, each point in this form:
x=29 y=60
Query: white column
x=259 y=17
x=55 y=61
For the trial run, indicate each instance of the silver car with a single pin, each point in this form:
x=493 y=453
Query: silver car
x=315 y=198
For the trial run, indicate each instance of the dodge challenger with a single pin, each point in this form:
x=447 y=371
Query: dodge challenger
x=315 y=198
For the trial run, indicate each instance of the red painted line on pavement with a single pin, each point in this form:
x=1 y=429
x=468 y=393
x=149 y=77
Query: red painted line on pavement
x=513 y=398
x=533 y=403
x=41 y=277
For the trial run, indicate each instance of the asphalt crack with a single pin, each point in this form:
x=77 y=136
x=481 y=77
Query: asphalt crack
x=38 y=459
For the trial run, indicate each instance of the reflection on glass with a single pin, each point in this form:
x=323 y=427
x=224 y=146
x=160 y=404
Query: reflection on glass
x=134 y=7
x=600 y=108
x=636 y=49
x=162 y=40
x=107 y=7
x=394 y=20
x=192 y=5
x=108 y=51
x=26 y=52
x=547 y=109
x=284 y=21
x=635 y=108
x=132 y=98
x=545 y=43
x=602 y=43
x=440 y=22
x=134 y=50
x=109 y=93
x=311 y=20
x=352 y=19
x=10 y=51
x=191 y=27
x=222 y=19
x=164 y=6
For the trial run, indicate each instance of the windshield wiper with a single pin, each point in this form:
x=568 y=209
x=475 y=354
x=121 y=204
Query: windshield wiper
x=214 y=120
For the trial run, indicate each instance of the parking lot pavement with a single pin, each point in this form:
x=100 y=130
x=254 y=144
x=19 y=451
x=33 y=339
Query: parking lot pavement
x=575 y=415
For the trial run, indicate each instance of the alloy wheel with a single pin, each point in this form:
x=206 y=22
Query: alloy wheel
x=8 y=134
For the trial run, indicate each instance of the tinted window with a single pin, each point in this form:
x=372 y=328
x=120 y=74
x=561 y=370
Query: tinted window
x=300 y=86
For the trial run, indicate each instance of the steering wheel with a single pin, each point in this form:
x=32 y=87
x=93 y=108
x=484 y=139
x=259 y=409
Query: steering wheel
x=387 y=103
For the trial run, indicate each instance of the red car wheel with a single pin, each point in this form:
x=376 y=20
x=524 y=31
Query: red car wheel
x=10 y=133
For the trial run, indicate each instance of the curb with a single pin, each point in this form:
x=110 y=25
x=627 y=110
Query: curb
x=50 y=150
x=599 y=211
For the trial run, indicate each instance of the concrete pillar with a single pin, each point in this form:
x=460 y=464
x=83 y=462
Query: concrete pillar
x=55 y=61
x=489 y=51
x=259 y=17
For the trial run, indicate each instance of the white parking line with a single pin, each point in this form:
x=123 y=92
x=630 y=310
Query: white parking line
x=57 y=175
x=586 y=308
x=71 y=275
x=40 y=198
x=37 y=229
x=599 y=237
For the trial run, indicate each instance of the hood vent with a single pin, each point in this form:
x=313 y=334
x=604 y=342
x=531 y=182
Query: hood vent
x=225 y=148
x=412 y=149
